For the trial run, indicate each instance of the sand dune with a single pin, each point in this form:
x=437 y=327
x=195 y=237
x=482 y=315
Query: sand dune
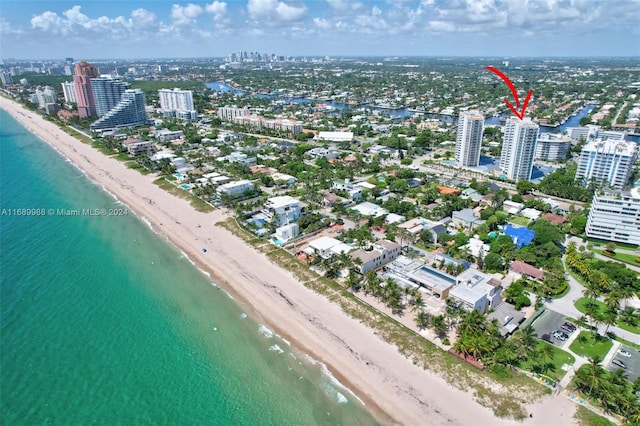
x=389 y=384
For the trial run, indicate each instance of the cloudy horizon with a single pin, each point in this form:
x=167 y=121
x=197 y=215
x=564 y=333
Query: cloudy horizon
x=32 y=29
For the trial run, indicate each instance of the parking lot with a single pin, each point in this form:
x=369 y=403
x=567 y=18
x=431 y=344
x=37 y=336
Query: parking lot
x=547 y=323
x=633 y=362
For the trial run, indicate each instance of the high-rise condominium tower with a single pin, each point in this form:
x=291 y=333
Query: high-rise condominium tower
x=84 y=72
x=518 y=148
x=469 y=138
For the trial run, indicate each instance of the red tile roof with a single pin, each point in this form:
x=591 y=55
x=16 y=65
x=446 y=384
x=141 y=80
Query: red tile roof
x=526 y=269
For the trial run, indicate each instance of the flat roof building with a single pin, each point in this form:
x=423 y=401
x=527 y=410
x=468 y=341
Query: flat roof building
x=615 y=216
x=469 y=138
x=607 y=162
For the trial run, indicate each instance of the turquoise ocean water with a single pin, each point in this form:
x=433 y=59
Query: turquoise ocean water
x=103 y=322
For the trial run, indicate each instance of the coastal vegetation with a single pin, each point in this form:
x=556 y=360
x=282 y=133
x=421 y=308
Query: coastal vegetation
x=609 y=390
x=502 y=390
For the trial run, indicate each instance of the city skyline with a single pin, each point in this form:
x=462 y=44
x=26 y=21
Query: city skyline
x=162 y=29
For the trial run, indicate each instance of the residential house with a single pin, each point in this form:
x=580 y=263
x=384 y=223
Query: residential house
x=383 y=252
x=476 y=290
x=233 y=189
x=284 y=209
x=522 y=269
x=466 y=218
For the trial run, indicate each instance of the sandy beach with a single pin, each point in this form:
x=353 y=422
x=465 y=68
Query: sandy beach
x=388 y=383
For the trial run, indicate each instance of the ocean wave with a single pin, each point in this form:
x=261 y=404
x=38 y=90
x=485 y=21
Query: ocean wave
x=331 y=389
x=243 y=315
x=276 y=348
x=265 y=331
x=228 y=294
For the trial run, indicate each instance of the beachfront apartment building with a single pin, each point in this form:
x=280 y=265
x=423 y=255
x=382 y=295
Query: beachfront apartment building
x=177 y=103
x=476 y=290
x=44 y=96
x=469 y=138
x=138 y=147
x=615 y=216
x=129 y=112
x=325 y=247
x=283 y=209
x=552 y=147
x=383 y=252
x=608 y=162
x=518 y=148
x=84 y=72
x=69 y=92
x=107 y=93
x=236 y=188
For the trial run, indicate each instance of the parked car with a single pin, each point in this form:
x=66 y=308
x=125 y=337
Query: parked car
x=619 y=363
x=570 y=326
x=567 y=329
x=624 y=353
x=559 y=335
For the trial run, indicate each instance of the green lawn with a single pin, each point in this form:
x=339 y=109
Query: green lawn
x=560 y=358
x=596 y=241
x=520 y=220
x=622 y=257
x=590 y=347
x=586 y=417
x=581 y=306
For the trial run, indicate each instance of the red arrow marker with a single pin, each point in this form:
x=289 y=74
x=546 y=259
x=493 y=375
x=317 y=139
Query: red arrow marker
x=518 y=114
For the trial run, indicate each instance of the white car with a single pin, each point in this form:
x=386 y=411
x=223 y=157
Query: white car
x=624 y=353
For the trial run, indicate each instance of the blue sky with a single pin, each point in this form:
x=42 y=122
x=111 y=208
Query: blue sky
x=94 y=29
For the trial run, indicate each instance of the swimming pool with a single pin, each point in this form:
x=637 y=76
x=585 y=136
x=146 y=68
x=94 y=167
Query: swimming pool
x=185 y=186
x=449 y=162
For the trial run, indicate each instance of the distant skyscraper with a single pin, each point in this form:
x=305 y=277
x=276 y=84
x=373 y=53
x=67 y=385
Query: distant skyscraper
x=518 y=148
x=129 y=112
x=177 y=103
x=469 y=138
x=6 y=78
x=107 y=93
x=84 y=72
x=609 y=162
x=69 y=90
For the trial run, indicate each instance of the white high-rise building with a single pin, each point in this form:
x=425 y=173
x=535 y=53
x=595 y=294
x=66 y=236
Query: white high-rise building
x=615 y=216
x=518 y=148
x=609 y=162
x=177 y=103
x=551 y=146
x=469 y=138
x=45 y=95
x=69 y=90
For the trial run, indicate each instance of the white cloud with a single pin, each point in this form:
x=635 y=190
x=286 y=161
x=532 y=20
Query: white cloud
x=218 y=9
x=273 y=12
x=345 y=6
x=323 y=24
x=143 y=18
x=185 y=15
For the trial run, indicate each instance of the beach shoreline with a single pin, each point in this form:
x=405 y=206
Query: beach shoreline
x=390 y=386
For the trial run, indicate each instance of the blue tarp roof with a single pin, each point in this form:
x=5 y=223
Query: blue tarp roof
x=521 y=236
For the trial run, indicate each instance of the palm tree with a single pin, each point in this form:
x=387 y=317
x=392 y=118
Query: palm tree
x=610 y=317
x=612 y=298
x=418 y=302
x=439 y=325
x=629 y=316
x=422 y=320
x=527 y=341
x=594 y=372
